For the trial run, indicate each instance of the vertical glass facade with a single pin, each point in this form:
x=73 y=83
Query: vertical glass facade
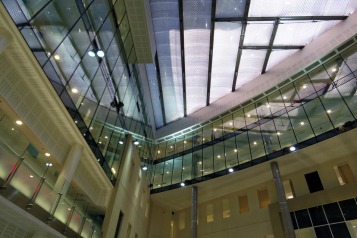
x=316 y=106
x=86 y=50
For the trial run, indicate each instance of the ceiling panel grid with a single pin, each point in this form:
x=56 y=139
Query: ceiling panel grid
x=197 y=27
x=165 y=15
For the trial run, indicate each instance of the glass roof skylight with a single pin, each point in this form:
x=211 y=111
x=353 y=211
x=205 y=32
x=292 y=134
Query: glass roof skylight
x=258 y=33
x=197 y=26
x=276 y=56
x=225 y=49
x=230 y=8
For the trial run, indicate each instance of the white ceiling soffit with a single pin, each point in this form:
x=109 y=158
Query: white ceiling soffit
x=141 y=29
x=277 y=73
x=166 y=21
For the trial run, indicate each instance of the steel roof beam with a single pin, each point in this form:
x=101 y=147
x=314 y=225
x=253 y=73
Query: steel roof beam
x=183 y=57
x=213 y=16
x=271 y=42
x=242 y=34
x=160 y=88
x=293 y=18
x=290 y=47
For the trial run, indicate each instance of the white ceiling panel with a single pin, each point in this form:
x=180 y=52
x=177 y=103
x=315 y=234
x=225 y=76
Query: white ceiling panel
x=197 y=27
x=251 y=64
x=301 y=32
x=276 y=56
x=165 y=15
x=279 y=8
x=225 y=49
x=258 y=33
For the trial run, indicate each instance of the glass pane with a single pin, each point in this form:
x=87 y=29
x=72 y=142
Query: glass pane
x=168 y=172
x=219 y=157
x=159 y=170
x=176 y=177
x=187 y=167
x=243 y=148
x=270 y=137
x=208 y=134
x=256 y=143
x=207 y=161
x=197 y=164
x=239 y=120
x=300 y=124
x=231 y=152
x=285 y=131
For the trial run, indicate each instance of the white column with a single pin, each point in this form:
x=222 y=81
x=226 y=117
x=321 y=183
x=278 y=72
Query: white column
x=5 y=39
x=69 y=167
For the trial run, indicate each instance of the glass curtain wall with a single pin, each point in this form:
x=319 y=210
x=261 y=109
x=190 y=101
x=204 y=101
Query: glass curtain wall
x=317 y=106
x=34 y=169
x=86 y=50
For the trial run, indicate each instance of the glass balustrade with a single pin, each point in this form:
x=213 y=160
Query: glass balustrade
x=70 y=209
x=314 y=107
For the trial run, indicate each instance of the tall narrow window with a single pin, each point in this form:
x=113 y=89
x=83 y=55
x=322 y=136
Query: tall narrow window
x=137 y=187
x=243 y=204
x=120 y=219
x=313 y=182
x=344 y=174
x=182 y=220
x=128 y=231
x=289 y=189
x=264 y=200
x=209 y=210
x=142 y=198
x=131 y=170
x=226 y=212
x=147 y=208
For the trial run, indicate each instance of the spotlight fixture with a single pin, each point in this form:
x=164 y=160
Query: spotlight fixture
x=182 y=184
x=120 y=142
x=100 y=53
x=91 y=53
x=48 y=164
x=136 y=142
x=292 y=148
x=230 y=170
x=19 y=122
x=47 y=154
x=145 y=168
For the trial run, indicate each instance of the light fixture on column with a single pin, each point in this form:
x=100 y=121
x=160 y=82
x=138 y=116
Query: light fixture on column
x=100 y=53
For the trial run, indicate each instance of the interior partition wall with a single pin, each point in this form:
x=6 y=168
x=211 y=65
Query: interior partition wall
x=86 y=50
x=318 y=105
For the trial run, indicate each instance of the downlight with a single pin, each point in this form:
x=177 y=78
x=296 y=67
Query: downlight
x=91 y=53
x=120 y=142
x=100 y=53
x=182 y=184
x=136 y=142
x=292 y=148
x=230 y=170
x=145 y=168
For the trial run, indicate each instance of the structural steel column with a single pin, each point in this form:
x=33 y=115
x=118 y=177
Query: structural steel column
x=194 y=213
x=70 y=166
x=5 y=39
x=285 y=213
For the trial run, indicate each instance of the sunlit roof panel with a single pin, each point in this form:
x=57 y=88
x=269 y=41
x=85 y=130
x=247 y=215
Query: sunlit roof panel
x=276 y=56
x=165 y=15
x=279 y=8
x=301 y=32
x=251 y=64
x=225 y=49
x=230 y=8
x=258 y=33
x=197 y=25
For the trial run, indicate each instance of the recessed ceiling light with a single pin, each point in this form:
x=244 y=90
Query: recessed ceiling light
x=171 y=146
x=302 y=123
x=136 y=142
x=334 y=70
x=290 y=197
x=248 y=115
x=255 y=142
x=328 y=111
x=231 y=123
x=48 y=164
x=12 y=129
x=31 y=176
x=74 y=90
x=100 y=53
x=19 y=122
x=292 y=148
x=120 y=142
x=184 y=142
x=219 y=156
x=56 y=57
x=278 y=133
x=235 y=150
x=182 y=184
x=231 y=170
x=106 y=137
x=47 y=154
x=304 y=86
x=158 y=152
x=167 y=172
x=145 y=168
x=91 y=53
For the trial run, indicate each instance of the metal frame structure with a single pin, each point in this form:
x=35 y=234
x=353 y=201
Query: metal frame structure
x=213 y=17
x=160 y=88
x=182 y=40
